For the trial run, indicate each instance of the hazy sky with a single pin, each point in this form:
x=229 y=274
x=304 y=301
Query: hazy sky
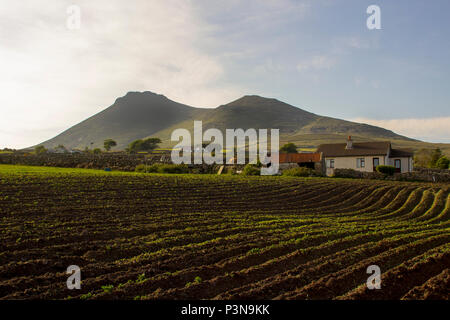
x=318 y=55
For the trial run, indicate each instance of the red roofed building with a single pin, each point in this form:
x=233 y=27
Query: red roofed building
x=311 y=160
x=300 y=157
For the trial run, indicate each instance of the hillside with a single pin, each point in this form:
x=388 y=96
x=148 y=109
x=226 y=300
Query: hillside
x=131 y=117
x=146 y=114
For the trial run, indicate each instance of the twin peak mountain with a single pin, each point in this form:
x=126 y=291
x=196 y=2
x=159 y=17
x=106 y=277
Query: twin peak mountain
x=140 y=115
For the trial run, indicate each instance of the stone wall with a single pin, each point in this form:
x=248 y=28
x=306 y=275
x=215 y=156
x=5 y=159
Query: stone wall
x=123 y=162
x=115 y=161
x=419 y=174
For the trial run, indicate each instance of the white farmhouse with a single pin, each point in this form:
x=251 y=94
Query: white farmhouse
x=364 y=156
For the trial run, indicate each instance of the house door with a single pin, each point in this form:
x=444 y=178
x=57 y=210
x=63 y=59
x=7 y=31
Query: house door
x=376 y=163
x=398 y=165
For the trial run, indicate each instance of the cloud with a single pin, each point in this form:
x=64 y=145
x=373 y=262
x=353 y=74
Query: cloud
x=255 y=14
x=358 y=80
x=318 y=62
x=339 y=47
x=269 y=67
x=428 y=129
x=345 y=45
x=55 y=77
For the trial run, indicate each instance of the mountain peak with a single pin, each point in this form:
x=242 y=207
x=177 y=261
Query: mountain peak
x=143 y=94
x=133 y=97
x=251 y=100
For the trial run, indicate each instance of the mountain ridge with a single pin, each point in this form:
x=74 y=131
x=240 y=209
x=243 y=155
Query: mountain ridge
x=139 y=115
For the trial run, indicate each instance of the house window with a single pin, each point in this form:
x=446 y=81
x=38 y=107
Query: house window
x=360 y=163
x=330 y=163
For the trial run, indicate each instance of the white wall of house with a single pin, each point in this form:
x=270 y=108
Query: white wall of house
x=352 y=163
x=405 y=162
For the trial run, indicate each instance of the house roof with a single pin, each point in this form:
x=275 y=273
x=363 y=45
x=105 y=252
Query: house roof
x=299 y=157
x=359 y=149
x=400 y=153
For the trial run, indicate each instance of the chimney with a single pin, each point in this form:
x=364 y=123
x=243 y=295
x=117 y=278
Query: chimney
x=349 y=143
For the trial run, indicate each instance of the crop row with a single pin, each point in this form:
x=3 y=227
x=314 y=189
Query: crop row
x=207 y=237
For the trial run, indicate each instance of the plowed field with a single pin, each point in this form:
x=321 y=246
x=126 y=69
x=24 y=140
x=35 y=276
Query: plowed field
x=146 y=236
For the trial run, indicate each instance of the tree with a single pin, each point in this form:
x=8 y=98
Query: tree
x=289 y=148
x=437 y=153
x=422 y=157
x=143 y=145
x=40 y=150
x=61 y=148
x=109 y=143
x=443 y=163
x=97 y=151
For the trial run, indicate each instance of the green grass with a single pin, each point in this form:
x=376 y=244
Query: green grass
x=19 y=169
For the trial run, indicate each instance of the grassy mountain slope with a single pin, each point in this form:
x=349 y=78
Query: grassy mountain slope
x=139 y=115
x=131 y=117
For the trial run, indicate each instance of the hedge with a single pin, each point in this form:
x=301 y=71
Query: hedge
x=389 y=170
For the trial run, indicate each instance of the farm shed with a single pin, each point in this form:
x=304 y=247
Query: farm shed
x=312 y=160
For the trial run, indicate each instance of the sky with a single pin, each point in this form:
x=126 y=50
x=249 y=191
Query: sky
x=318 y=55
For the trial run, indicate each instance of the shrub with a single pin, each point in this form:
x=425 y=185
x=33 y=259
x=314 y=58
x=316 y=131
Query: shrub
x=251 y=170
x=389 y=170
x=298 y=172
x=173 y=168
x=162 y=168
x=443 y=163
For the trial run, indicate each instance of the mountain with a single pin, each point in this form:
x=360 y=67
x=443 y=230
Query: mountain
x=145 y=114
x=131 y=117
